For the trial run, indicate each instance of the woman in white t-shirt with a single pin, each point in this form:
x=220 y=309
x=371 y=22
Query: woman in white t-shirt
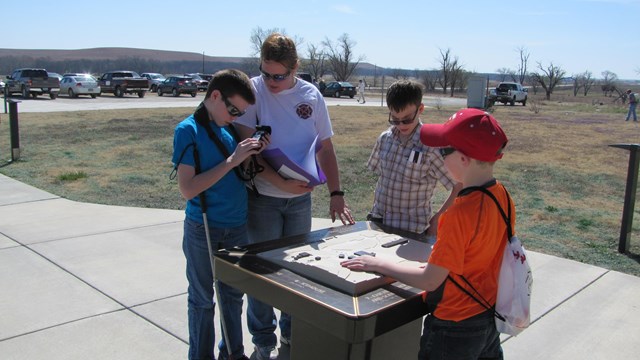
x=297 y=114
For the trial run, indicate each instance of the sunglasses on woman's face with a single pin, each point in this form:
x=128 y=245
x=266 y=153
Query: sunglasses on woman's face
x=274 y=77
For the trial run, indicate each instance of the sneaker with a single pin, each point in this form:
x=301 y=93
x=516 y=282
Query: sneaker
x=222 y=355
x=266 y=352
x=285 y=340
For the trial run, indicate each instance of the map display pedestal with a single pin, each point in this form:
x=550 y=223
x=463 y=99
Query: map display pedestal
x=333 y=316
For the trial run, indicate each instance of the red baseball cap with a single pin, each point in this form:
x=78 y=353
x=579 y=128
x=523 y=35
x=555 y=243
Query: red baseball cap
x=473 y=132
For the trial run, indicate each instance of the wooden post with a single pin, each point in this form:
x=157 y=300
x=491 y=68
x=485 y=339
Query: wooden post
x=629 y=195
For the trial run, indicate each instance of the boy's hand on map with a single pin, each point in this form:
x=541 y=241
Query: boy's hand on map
x=362 y=263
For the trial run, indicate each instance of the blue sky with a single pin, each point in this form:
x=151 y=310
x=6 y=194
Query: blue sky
x=577 y=35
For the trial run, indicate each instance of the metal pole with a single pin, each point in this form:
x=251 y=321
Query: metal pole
x=629 y=195
x=14 y=130
x=382 y=92
x=4 y=97
x=216 y=288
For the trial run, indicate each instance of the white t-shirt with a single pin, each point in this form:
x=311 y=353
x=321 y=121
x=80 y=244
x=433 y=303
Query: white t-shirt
x=296 y=117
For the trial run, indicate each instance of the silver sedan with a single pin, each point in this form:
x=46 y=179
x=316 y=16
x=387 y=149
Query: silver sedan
x=80 y=84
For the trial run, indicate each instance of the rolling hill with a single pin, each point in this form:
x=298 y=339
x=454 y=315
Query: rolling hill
x=114 y=53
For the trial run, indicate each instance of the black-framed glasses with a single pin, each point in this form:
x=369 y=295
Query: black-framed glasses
x=274 y=77
x=446 y=151
x=232 y=109
x=404 y=121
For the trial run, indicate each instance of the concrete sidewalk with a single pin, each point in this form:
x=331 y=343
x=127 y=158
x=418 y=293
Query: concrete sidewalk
x=87 y=281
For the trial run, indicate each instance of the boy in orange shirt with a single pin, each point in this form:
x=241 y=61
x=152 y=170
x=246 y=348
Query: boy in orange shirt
x=471 y=239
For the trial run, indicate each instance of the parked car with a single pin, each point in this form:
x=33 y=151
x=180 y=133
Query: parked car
x=305 y=76
x=123 y=82
x=32 y=82
x=54 y=74
x=207 y=77
x=176 y=85
x=154 y=80
x=75 y=74
x=80 y=84
x=339 y=88
x=201 y=83
x=508 y=92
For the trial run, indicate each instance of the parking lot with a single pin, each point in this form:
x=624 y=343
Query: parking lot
x=110 y=102
x=152 y=100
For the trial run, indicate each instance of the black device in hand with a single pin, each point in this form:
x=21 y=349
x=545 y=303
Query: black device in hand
x=261 y=130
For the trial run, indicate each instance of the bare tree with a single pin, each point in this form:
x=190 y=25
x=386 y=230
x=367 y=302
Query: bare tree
x=340 y=57
x=457 y=75
x=609 y=82
x=504 y=72
x=429 y=79
x=315 y=62
x=587 y=82
x=446 y=60
x=534 y=84
x=577 y=84
x=522 y=67
x=259 y=35
x=550 y=77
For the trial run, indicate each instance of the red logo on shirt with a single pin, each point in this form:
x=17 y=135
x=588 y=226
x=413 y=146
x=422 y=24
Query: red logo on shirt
x=304 y=111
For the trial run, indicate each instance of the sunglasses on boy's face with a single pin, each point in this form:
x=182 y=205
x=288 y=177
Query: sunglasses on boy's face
x=274 y=77
x=232 y=109
x=444 y=152
x=395 y=122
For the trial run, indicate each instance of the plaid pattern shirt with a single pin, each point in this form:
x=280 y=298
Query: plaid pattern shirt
x=408 y=174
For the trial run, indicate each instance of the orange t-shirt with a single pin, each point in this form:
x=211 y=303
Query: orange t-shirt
x=471 y=239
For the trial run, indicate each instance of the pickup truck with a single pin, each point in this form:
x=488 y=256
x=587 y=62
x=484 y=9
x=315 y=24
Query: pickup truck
x=32 y=82
x=119 y=83
x=508 y=92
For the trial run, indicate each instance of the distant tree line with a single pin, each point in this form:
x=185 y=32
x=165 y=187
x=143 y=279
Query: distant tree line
x=97 y=67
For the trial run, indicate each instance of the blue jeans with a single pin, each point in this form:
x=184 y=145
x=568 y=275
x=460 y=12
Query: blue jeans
x=201 y=300
x=632 y=110
x=273 y=218
x=470 y=339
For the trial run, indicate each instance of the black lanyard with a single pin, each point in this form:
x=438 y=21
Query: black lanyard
x=201 y=115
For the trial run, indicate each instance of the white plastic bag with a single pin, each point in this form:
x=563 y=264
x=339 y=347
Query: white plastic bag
x=514 y=289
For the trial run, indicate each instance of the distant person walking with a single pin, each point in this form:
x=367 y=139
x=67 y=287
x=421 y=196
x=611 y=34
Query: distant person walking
x=633 y=102
x=361 y=92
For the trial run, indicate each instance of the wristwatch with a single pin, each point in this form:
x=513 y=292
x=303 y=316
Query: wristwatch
x=337 y=193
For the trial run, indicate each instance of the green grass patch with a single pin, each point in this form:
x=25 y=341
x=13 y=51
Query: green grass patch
x=72 y=176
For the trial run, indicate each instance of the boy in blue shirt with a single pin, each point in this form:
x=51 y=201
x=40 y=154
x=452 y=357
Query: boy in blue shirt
x=207 y=157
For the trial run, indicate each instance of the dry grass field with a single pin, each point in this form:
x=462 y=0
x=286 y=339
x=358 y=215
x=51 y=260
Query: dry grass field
x=567 y=182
